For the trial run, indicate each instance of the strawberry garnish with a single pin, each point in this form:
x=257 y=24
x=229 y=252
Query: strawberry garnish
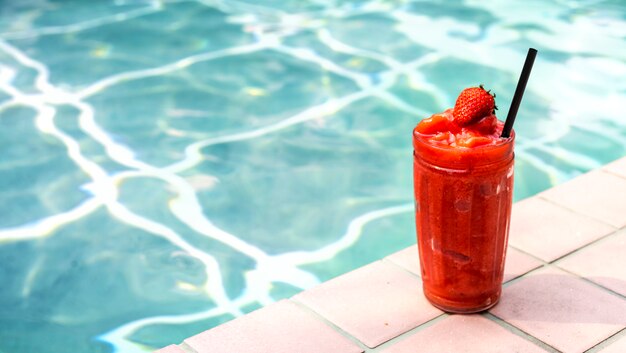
x=485 y=126
x=472 y=105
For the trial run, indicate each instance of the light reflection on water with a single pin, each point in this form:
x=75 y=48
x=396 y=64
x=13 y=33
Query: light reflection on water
x=169 y=165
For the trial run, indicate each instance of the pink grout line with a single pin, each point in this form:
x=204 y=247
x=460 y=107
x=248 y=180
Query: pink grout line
x=540 y=196
x=327 y=322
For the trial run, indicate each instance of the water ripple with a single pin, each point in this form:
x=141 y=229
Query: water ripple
x=565 y=113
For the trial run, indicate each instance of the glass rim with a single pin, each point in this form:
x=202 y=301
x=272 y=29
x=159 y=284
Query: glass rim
x=417 y=136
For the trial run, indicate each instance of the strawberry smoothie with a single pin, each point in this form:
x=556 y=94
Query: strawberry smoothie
x=463 y=179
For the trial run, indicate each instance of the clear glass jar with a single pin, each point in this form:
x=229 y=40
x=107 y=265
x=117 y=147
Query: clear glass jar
x=463 y=200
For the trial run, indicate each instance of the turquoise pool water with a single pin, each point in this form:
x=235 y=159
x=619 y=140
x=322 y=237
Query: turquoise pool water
x=166 y=166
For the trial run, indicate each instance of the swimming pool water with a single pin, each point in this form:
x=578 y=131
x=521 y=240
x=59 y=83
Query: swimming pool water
x=166 y=166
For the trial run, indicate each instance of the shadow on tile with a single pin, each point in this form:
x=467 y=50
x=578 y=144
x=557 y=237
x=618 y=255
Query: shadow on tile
x=561 y=298
x=562 y=310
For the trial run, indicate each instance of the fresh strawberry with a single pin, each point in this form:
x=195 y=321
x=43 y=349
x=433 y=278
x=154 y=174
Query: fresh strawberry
x=472 y=105
x=487 y=125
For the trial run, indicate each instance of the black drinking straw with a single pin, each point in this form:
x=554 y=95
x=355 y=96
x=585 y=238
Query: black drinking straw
x=519 y=92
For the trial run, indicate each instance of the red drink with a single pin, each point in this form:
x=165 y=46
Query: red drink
x=463 y=178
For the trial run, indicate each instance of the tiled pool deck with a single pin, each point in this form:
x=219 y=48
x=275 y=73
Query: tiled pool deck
x=564 y=291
